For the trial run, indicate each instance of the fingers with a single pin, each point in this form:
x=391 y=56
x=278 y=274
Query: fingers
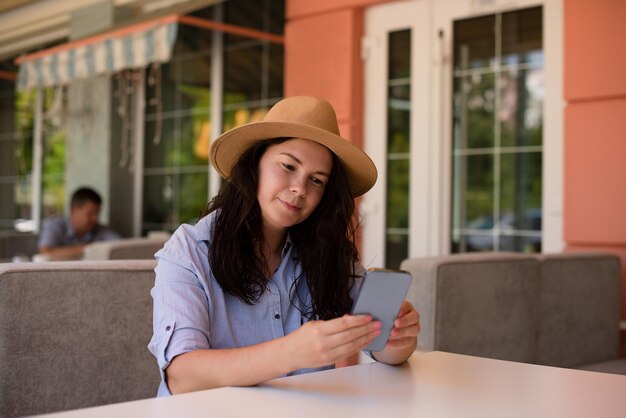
x=340 y=337
x=343 y=323
x=407 y=316
x=356 y=335
x=350 y=330
x=353 y=340
x=405 y=308
x=406 y=332
x=407 y=324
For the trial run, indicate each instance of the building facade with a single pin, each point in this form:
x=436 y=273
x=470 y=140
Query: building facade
x=495 y=124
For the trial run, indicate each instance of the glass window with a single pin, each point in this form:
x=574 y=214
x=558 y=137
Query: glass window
x=398 y=148
x=474 y=106
x=178 y=116
x=17 y=110
x=498 y=132
x=15 y=156
x=53 y=165
x=177 y=131
x=474 y=43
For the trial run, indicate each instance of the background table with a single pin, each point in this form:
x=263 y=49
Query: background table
x=433 y=384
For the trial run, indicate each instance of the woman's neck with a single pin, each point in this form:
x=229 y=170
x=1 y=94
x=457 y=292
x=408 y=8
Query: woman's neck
x=272 y=248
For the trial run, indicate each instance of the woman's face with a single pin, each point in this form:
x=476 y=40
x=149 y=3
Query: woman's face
x=292 y=178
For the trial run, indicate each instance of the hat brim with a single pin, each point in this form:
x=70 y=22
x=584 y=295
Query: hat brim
x=228 y=147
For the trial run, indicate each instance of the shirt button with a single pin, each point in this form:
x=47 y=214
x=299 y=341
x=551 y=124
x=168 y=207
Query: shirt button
x=167 y=328
x=277 y=316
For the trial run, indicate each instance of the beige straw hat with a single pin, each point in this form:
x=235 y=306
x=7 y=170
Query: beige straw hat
x=297 y=117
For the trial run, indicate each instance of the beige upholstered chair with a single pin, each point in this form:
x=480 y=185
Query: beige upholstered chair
x=75 y=334
x=479 y=304
x=557 y=309
x=578 y=325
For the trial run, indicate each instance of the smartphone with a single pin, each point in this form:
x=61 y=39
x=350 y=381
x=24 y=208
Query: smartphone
x=381 y=296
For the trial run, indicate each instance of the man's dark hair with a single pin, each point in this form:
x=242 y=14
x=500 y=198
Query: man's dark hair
x=324 y=241
x=84 y=195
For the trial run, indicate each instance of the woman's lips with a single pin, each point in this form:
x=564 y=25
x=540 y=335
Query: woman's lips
x=289 y=206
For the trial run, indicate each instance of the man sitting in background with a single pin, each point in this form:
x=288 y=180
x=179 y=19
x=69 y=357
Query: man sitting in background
x=64 y=238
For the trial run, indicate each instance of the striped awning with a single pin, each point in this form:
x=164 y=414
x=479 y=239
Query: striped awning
x=128 y=48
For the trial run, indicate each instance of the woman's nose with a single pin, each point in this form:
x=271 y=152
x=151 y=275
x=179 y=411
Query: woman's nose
x=298 y=186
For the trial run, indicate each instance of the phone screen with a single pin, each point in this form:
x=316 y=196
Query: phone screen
x=381 y=296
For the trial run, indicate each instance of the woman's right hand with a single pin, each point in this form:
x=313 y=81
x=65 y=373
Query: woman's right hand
x=320 y=343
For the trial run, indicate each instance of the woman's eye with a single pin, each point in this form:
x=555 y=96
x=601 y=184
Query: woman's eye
x=317 y=181
x=288 y=167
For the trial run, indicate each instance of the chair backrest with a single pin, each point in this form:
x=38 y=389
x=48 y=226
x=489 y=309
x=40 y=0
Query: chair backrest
x=476 y=304
x=579 y=309
x=74 y=335
x=124 y=249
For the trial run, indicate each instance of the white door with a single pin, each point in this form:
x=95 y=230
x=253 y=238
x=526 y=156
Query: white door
x=430 y=189
x=397 y=52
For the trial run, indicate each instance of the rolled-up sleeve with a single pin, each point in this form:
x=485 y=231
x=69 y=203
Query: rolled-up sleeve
x=180 y=317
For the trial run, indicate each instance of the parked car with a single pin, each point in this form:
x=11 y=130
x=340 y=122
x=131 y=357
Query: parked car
x=513 y=233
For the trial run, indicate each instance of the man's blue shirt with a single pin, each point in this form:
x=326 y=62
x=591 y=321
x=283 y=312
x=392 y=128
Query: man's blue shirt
x=59 y=232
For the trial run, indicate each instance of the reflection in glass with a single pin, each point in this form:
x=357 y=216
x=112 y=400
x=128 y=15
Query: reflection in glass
x=473 y=191
x=161 y=154
x=475 y=242
x=397 y=246
x=521 y=107
x=16 y=154
x=8 y=211
x=237 y=116
x=520 y=190
x=498 y=132
x=521 y=37
x=193 y=197
x=399 y=54
x=474 y=43
x=158 y=200
x=474 y=106
x=174 y=198
x=398 y=148
x=53 y=153
x=397 y=193
x=521 y=243
x=244 y=76
x=399 y=113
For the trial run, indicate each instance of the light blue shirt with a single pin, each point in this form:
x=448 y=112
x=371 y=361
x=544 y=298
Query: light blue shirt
x=191 y=311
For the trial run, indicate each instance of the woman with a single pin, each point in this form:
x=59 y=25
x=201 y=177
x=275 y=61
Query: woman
x=261 y=286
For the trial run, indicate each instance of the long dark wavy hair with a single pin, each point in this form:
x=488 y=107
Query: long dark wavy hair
x=325 y=241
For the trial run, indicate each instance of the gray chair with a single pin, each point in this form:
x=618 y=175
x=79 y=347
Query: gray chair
x=74 y=335
x=579 y=312
x=557 y=310
x=480 y=304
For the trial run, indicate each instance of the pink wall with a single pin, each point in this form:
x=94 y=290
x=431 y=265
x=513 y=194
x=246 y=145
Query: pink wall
x=595 y=129
x=322 y=57
x=326 y=65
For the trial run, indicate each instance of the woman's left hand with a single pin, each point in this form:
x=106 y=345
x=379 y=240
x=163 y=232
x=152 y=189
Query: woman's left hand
x=403 y=338
x=406 y=327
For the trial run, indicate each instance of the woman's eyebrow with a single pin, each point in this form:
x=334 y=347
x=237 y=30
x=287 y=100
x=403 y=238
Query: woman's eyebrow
x=299 y=162
x=296 y=159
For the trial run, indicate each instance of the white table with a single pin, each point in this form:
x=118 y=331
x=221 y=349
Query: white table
x=434 y=384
